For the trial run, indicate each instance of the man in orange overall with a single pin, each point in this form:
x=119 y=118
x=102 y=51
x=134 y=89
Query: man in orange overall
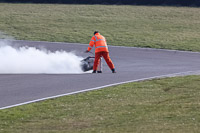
x=101 y=49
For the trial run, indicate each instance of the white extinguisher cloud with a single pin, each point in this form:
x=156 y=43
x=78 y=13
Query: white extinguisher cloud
x=32 y=60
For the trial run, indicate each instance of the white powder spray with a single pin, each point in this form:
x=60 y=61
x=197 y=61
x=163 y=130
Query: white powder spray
x=32 y=60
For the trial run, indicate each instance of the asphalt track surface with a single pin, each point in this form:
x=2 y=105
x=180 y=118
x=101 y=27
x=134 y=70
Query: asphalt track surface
x=132 y=64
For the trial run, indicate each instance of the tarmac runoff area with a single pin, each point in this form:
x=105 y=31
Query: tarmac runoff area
x=132 y=64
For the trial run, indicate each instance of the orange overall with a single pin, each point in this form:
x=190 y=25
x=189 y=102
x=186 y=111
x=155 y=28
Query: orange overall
x=101 y=49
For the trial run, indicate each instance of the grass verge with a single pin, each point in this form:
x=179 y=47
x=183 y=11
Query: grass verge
x=138 y=26
x=168 y=105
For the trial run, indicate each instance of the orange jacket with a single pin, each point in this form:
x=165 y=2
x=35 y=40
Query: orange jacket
x=100 y=43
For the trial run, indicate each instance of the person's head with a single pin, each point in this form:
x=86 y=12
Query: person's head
x=96 y=32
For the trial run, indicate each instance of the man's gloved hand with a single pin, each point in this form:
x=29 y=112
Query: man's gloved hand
x=86 y=51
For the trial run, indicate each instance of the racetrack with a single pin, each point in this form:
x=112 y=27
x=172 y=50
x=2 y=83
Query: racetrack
x=132 y=64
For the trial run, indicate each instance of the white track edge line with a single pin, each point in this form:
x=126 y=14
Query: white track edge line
x=96 y=88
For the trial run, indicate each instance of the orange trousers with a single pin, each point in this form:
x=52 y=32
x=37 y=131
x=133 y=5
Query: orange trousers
x=106 y=56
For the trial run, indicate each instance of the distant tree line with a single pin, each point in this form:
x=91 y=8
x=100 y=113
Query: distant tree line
x=118 y=2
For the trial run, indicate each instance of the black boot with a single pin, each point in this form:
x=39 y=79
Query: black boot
x=113 y=70
x=99 y=71
x=94 y=71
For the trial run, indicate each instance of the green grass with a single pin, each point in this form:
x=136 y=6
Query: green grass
x=138 y=26
x=168 y=105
